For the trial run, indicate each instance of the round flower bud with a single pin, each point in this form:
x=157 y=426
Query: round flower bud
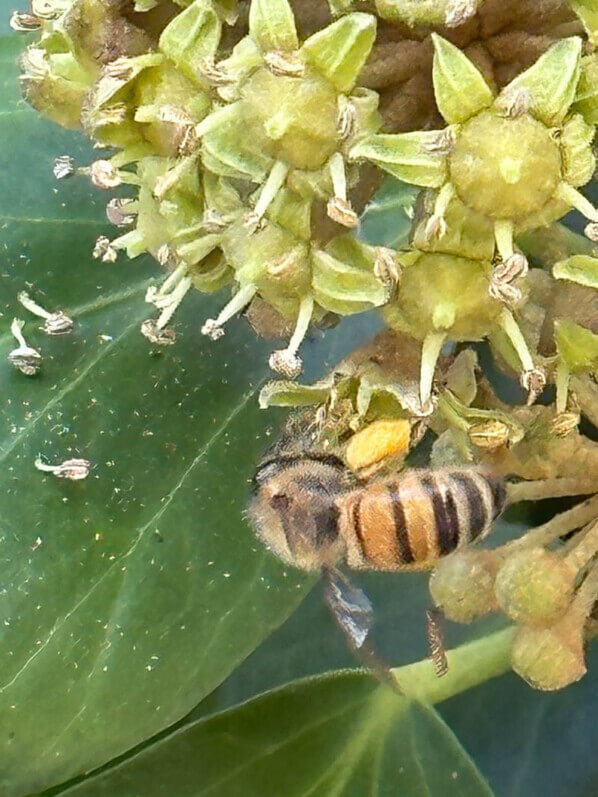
x=441 y=292
x=549 y=658
x=511 y=181
x=463 y=585
x=535 y=586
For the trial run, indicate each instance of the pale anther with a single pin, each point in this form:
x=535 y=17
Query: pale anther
x=57 y=323
x=73 y=469
x=63 y=167
x=24 y=358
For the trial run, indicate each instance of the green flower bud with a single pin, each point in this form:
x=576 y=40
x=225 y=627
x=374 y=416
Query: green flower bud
x=444 y=293
x=514 y=158
x=462 y=585
x=515 y=180
x=272 y=259
x=296 y=119
x=535 y=586
x=60 y=69
x=549 y=658
x=55 y=84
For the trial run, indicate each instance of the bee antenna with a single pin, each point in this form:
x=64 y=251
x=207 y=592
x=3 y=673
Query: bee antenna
x=354 y=614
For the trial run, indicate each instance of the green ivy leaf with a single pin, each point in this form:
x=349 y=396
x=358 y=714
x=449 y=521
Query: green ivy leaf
x=531 y=743
x=127 y=597
x=338 y=734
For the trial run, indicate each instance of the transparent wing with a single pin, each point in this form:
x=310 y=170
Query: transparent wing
x=354 y=613
x=350 y=606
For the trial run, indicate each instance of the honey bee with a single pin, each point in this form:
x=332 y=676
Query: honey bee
x=311 y=512
x=314 y=513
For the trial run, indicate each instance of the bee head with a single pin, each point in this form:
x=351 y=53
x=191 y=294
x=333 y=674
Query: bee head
x=294 y=509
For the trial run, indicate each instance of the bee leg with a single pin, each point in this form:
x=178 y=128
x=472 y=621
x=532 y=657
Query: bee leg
x=354 y=614
x=434 y=619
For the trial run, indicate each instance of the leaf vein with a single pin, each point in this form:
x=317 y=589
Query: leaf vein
x=289 y=740
x=42 y=220
x=117 y=562
x=70 y=385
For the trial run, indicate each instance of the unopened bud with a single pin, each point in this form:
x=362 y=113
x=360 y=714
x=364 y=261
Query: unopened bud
x=535 y=586
x=462 y=585
x=549 y=658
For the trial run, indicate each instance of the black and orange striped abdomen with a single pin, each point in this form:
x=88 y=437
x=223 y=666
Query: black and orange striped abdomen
x=413 y=520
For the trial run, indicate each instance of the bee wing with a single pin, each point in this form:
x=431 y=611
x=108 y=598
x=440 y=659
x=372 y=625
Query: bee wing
x=354 y=613
x=350 y=606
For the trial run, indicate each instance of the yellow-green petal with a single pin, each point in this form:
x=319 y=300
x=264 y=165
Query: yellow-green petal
x=340 y=50
x=582 y=269
x=576 y=345
x=191 y=37
x=579 y=161
x=196 y=250
x=280 y=393
x=459 y=87
x=586 y=98
x=272 y=25
x=227 y=150
x=406 y=156
x=587 y=11
x=344 y=288
x=551 y=83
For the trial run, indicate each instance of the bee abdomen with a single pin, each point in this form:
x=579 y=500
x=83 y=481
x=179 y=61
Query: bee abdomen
x=414 y=520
